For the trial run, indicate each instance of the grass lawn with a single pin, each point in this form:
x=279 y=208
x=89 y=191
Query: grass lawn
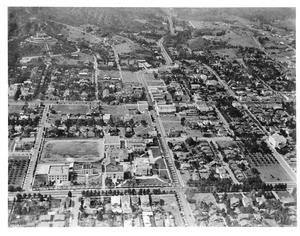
x=278 y=173
x=60 y=150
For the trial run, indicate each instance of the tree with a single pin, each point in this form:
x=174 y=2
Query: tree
x=127 y=175
x=19 y=197
x=182 y=121
x=57 y=123
x=69 y=194
x=17 y=94
x=144 y=123
x=41 y=198
x=11 y=188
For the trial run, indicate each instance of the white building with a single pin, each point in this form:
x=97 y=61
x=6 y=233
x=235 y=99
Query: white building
x=277 y=141
x=58 y=172
x=165 y=109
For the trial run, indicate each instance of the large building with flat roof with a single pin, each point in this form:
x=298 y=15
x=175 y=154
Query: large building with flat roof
x=58 y=172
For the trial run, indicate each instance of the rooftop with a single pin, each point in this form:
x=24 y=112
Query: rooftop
x=111 y=139
x=59 y=170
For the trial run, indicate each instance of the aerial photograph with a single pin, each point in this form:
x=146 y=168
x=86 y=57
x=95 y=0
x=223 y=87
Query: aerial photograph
x=151 y=117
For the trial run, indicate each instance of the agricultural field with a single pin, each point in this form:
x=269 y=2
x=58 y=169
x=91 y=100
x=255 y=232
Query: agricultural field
x=17 y=168
x=79 y=150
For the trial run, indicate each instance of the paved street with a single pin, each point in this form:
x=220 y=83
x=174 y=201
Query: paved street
x=36 y=151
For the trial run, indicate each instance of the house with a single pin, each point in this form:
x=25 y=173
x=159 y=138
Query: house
x=105 y=93
x=58 y=172
x=145 y=203
x=142 y=106
x=277 y=141
x=106 y=118
x=247 y=201
x=116 y=204
x=135 y=200
x=234 y=201
x=125 y=201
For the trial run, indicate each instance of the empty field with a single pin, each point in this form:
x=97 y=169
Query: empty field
x=61 y=150
x=15 y=108
x=115 y=110
x=130 y=77
x=71 y=109
x=110 y=73
x=230 y=52
x=273 y=173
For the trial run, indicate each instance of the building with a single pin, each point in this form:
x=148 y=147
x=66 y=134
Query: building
x=106 y=118
x=87 y=168
x=135 y=144
x=142 y=106
x=142 y=166
x=165 y=109
x=58 y=172
x=277 y=141
x=116 y=204
x=125 y=201
x=112 y=142
x=117 y=155
x=114 y=172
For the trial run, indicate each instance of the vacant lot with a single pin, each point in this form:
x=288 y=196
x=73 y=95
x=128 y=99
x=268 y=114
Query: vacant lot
x=230 y=52
x=130 y=77
x=115 y=110
x=205 y=197
x=71 y=109
x=110 y=73
x=171 y=205
x=15 y=108
x=171 y=123
x=76 y=34
x=84 y=151
x=273 y=173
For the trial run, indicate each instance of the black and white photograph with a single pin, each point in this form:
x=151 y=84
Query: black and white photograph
x=150 y=116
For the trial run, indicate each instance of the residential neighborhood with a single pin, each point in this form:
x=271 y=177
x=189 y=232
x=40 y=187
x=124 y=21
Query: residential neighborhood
x=151 y=117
